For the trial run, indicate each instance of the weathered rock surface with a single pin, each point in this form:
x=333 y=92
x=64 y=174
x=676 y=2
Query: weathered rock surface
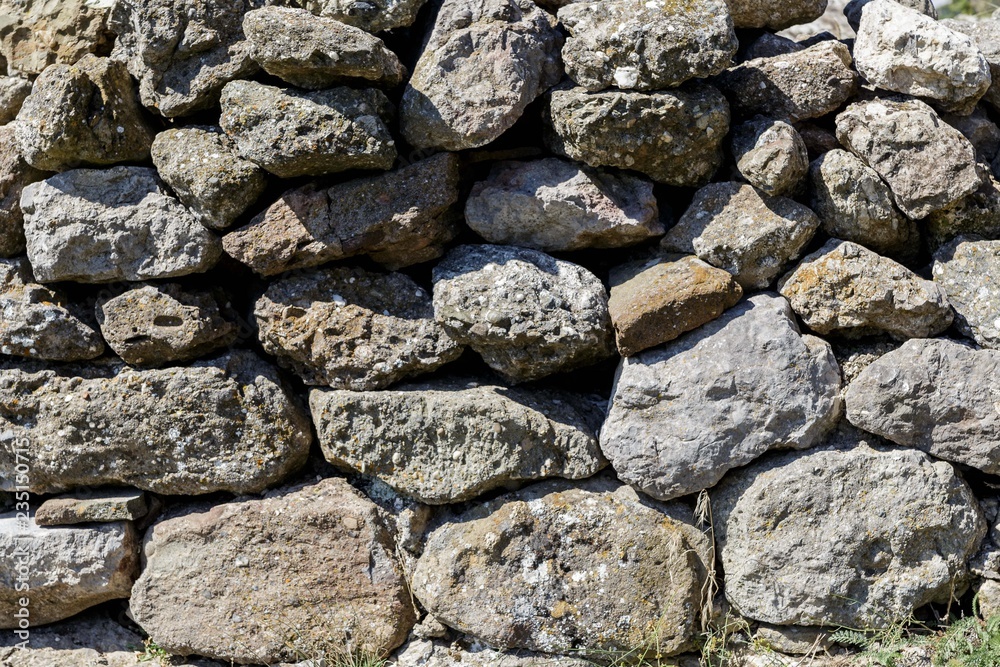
x=94 y=225
x=856 y=537
x=296 y=133
x=964 y=269
x=426 y=653
x=854 y=204
x=749 y=234
x=775 y=16
x=103 y=506
x=683 y=414
x=201 y=166
x=37 y=33
x=324 y=545
x=369 y=16
x=15 y=173
x=654 y=302
x=67 y=570
x=449 y=441
x=482 y=64
x=854 y=9
x=946 y=68
x=82 y=114
x=350 y=328
x=314 y=52
x=153 y=325
x=770 y=155
x=532 y=570
x=398 y=218
x=985 y=35
x=527 y=314
x=796 y=86
x=182 y=52
x=639 y=45
x=977 y=214
x=857 y=354
x=980 y=130
x=926 y=163
x=13 y=91
x=845 y=288
x=556 y=205
x=225 y=424
x=674 y=137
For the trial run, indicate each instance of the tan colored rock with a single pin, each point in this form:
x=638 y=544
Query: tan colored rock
x=15 y=174
x=775 y=15
x=13 y=91
x=37 y=33
x=103 y=506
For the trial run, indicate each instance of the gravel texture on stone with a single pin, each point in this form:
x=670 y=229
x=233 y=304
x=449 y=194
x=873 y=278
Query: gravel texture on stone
x=37 y=33
x=556 y=205
x=527 y=314
x=103 y=506
x=350 y=328
x=965 y=270
x=770 y=155
x=674 y=137
x=683 y=414
x=13 y=91
x=369 y=16
x=226 y=424
x=775 y=15
x=104 y=225
x=985 y=35
x=15 y=174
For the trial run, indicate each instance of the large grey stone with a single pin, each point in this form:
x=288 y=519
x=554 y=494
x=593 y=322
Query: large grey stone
x=225 y=424
x=35 y=34
x=368 y=15
x=770 y=155
x=683 y=414
x=95 y=226
x=964 y=269
x=775 y=15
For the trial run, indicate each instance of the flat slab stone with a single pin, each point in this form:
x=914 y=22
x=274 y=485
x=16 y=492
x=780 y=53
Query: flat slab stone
x=101 y=506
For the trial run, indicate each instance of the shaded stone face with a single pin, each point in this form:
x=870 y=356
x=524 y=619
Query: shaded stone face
x=15 y=174
x=963 y=269
x=770 y=155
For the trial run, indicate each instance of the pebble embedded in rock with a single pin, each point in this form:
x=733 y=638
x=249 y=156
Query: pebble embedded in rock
x=775 y=15
x=102 y=506
x=15 y=174
x=770 y=155
x=13 y=92
x=965 y=270
x=369 y=16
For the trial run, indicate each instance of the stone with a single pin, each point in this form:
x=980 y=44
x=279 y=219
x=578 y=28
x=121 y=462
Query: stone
x=766 y=45
x=555 y=205
x=13 y=92
x=426 y=653
x=398 y=218
x=102 y=506
x=82 y=114
x=854 y=204
x=656 y=301
x=847 y=289
x=985 y=35
x=963 y=268
x=775 y=16
x=855 y=8
x=449 y=441
x=793 y=639
x=857 y=536
x=369 y=16
x=946 y=68
x=153 y=325
x=36 y=322
x=855 y=355
x=796 y=86
x=104 y=225
x=66 y=569
x=751 y=235
x=640 y=45
x=770 y=155
x=674 y=136
x=201 y=166
x=482 y=64
x=527 y=314
x=926 y=163
x=982 y=133
x=683 y=414
x=909 y=396
x=298 y=133
x=530 y=570
x=314 y=52
x=350 y=328
x=182 y=52
x=988 y=597
x=224 y=424
x=310 y=566
x=976 y=214
x=35 y=34
x=15 y=174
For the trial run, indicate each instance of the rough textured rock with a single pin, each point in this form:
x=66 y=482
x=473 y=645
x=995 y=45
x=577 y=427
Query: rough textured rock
x=749 y=234
x=35 y=321
x=369 y=16
x=796 y=86
x=201 y=166
x=555 y=205
x=775 y=16
x=857 y=537
x=67 y=570
x=426 y=653
x=640 y=45
x=964 y=269
x=654 y=302
x=770 y=155
x=980 y=130
x=37 y=33
x=795 y=639
x=683 y=414
x=398 y=218
x=927 y=164
x=352 y=329
x=325 y=545
x=985 y=34
x=102 y=507
x=674 y=137
x=529 y=570
x=854 y=9
x=902 y=50
x=15 y=173
x=527 y=314
x=449 y=441
x=182 y=52
x=225 y=424
x=295 y=133
x=153 y=325
x=313 y=52
x=82 y=114
x=854 y=204
x=13 y=91
x=855 y=355
x=93 y=225
x=977 y=214
x=482 y=64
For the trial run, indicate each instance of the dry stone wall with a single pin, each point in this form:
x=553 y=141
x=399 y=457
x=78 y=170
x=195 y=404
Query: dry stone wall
x=492 y=332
